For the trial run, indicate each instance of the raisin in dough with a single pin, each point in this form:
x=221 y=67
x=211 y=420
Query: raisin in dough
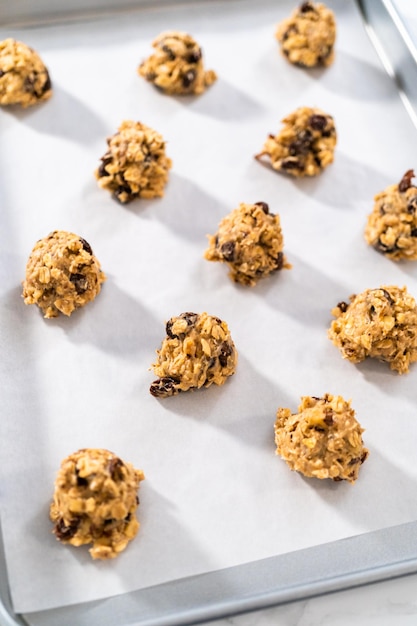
x=24 y=79
x=250 y=241
x=135 y=164
x=197 y=352
x=95 y=502
x=62 y=274
x=307 y=37
x=379 y=323
x=305 y=146
x=176 y=66
x=392 y=226
x=322 y=440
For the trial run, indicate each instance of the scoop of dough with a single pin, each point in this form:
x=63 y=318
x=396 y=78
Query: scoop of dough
x=308 y=36
x=322 y=440
x=135 y=164
x=250 y=241
x=305 y=145
x=392 y=226
x=95 y=501
x=62 y=274
x=197 y=352
x=176 y=66
x=24 y=79
x=379 y=323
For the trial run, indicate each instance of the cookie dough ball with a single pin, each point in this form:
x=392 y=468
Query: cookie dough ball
x=307 y=37
x=62 y=274
x=250 y=241
x=24 y=79
x=305 y=146
x=197 y=352
x=176 y=66
x=392 y=226
x=95 y=502
x=379 y=323
x=135 y=164
x=322 y=440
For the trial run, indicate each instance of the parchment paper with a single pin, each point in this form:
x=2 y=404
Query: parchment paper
x=215 y=493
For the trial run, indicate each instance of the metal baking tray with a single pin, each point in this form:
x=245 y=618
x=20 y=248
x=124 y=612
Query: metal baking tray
x=332 y=566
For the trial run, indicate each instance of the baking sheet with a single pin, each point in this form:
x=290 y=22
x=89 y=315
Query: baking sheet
x=84 y=381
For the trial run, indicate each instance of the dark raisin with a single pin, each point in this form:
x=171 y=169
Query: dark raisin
x=354 y=461
x=164 y=387
x=225 y=351
x=405 y=182
x=387 y=296
x=115 y=465
x=382 y=247
x=29 y=83
x=81 y=482
x=343 y=306
x=412 y=206
x=47 y=84
x=306 y=7
x=326 y=133
x=337 y=479
x=86 y=246
x=64 y=532
x=123 y=194
x=194 y=56
x=317 y=122
x=414 y=232
x=102 y=171
x=329 y=416
x=80 y=283
x=364 y=456
x=190 y=318
x=2 y=73
x=291 y=164
x=302 y=144
x=264 y=206
x=279 y=261
x=169 y=52
x=227 y=251
x=292 y=30
x=168 y=330
x=188 y=78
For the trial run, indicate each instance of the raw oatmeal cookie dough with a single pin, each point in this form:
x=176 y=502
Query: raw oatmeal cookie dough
x=135 y=164
x=62 y=274
x=305 y=146
x=24 y=79
x=250 y=241
x=176 y=66
x=307 y=37
x=95 y=502
x=322 y=440
x=392 y=226
x=197 y=352
x=379 y=323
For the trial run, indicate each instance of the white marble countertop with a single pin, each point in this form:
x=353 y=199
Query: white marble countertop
x=389 y=603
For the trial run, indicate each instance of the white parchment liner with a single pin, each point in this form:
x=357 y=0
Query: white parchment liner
x=215 y=494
